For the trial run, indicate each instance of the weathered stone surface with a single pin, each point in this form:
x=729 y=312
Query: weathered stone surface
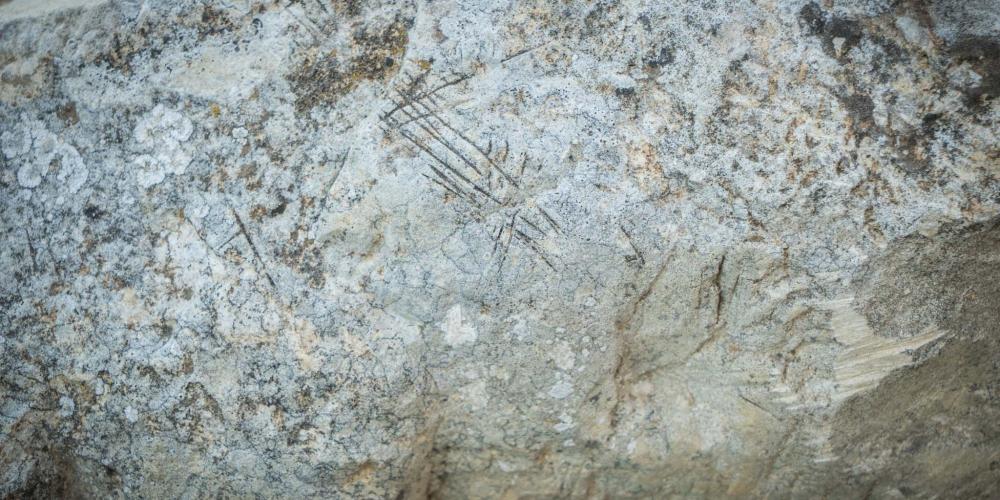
x=527 y=249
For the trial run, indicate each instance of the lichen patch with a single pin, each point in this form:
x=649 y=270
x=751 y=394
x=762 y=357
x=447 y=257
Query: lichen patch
x=375 y=54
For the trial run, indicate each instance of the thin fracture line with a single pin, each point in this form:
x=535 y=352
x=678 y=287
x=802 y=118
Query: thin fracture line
x=435 y=90
x=253 y=247
x=551 y=221
x=534 y=246
x=532 y=224
x=437 y=136
x=466 y=139
x=427 y=150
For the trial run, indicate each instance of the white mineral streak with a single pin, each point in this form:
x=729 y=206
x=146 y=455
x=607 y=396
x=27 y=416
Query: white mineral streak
x=866 y=358
x=457 y=330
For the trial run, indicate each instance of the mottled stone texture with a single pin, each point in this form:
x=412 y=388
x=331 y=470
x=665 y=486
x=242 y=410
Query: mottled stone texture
x=499 y=249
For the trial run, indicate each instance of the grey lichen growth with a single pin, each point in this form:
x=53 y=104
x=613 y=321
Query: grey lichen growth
x=340 y=249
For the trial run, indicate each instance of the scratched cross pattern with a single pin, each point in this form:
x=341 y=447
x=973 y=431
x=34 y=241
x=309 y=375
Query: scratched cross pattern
x=483 y=174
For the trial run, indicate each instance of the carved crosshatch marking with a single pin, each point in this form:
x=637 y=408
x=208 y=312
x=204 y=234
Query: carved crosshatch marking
x=480 y=176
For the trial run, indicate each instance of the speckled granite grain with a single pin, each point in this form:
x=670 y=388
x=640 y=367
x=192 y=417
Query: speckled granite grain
x=514 y=249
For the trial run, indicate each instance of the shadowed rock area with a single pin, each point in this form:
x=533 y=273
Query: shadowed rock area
x=517 y=249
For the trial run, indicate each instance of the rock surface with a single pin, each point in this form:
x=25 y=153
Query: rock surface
x=480 y=249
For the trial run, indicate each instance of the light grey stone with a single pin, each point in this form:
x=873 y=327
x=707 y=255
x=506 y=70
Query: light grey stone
x=515 y=249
